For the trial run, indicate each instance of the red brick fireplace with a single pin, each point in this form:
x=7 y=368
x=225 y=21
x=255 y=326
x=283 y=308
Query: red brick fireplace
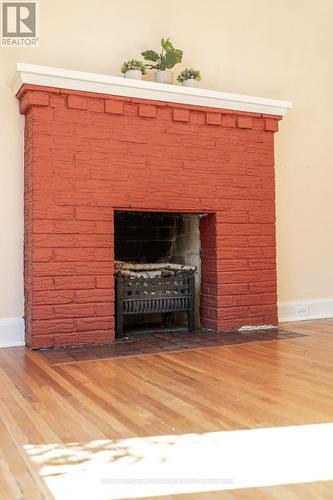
x=89 y=154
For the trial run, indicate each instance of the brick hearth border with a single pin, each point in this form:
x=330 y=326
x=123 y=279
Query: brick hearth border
x=88 y=154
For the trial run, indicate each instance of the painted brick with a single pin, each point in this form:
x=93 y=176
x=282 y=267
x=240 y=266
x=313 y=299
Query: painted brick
x=262 y=263
x=46 y=327
x=54 y=240
x=114 y=107
x=181 y=115
x=36 y=88
x=93 y=240
x=147 y=110
x=98 y=295
x=198 y=117
x=57 y=101
x=228 y=121
x=74 y=311
x=73 y=198
x=52 y=297
x=53 y=269
x=262 y=310
x=68 y=339
x=210 y=312
x=54 y=213
x=102 y=152
x=80 y=227
x=74 y=254
x=131 y=108
x=214 y=118
x=264 y=286
x=42 y=254
x=208 y=301
x=33 y=99
x=94 y=213
x=104 y=309
x=244 y=122
x=40 y=226
x=95 y=324
x=73 y=282
x=42 y=312
x=96 y=105
x=104 y=228
x=40 y=283
x=77 y=102
x=95 y=268
x=272 y=125
x=104 y=282
x=233 y=312
x=104 y=254
x=232 y=264
x=211 y=324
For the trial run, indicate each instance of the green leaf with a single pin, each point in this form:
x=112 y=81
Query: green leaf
x=162 y=64
x=167 y=45
x=150 y=55
x=179 y=55
x=170 y=59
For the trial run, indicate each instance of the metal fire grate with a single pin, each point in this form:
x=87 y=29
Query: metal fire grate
x=168 y=292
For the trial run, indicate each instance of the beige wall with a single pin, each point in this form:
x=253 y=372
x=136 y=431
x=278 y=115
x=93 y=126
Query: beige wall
x=279 y=49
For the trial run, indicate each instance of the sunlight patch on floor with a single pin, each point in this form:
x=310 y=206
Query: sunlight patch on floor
x=187 y=463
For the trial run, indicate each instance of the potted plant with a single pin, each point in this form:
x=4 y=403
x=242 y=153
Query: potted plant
x=164 y=61
x=189 y=77
x=133 y=69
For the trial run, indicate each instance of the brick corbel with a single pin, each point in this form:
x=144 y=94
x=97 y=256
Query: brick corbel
x=33 y=98
x=30 y=95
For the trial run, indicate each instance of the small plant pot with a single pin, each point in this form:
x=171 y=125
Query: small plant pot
x=163 y=76
x=191 y=82
x=134 y=74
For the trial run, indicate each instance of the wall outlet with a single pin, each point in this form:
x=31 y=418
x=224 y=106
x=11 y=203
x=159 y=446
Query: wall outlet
x=302 y=310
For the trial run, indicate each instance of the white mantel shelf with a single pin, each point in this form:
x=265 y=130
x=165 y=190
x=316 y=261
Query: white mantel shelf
x=142 y=89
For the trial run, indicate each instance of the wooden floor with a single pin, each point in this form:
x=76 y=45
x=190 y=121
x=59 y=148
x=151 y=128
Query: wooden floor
x=92 y=406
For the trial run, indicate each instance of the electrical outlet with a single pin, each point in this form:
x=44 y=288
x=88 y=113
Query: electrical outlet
x=302 y=310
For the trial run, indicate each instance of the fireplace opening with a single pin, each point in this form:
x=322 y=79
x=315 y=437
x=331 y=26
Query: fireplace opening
x=158 y=271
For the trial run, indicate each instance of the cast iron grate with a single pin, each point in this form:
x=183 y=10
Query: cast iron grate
x=168 y=292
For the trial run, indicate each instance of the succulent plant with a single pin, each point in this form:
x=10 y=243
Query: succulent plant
x=166 y=59
x=188 y=74
x=133 y=64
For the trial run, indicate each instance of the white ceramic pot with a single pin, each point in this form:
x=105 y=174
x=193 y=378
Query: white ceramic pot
x=135 y=74
x=163 y=76
x=191 y=82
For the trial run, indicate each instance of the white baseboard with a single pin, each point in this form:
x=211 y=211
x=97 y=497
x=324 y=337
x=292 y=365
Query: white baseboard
x=12 y=329
x=11 y=332
x=305 y=310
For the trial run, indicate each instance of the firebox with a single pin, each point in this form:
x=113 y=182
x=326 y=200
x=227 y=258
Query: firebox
x=120 y=173
x=157 y=260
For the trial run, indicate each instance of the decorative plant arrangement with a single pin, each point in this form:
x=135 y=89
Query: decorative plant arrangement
x=133 y=69
x=189 y=77
x=164 y=61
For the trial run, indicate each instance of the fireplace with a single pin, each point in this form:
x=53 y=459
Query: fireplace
x=143 y=173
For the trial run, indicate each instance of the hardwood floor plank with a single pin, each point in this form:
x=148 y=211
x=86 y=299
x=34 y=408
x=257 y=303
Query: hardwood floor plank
x=212 y=389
